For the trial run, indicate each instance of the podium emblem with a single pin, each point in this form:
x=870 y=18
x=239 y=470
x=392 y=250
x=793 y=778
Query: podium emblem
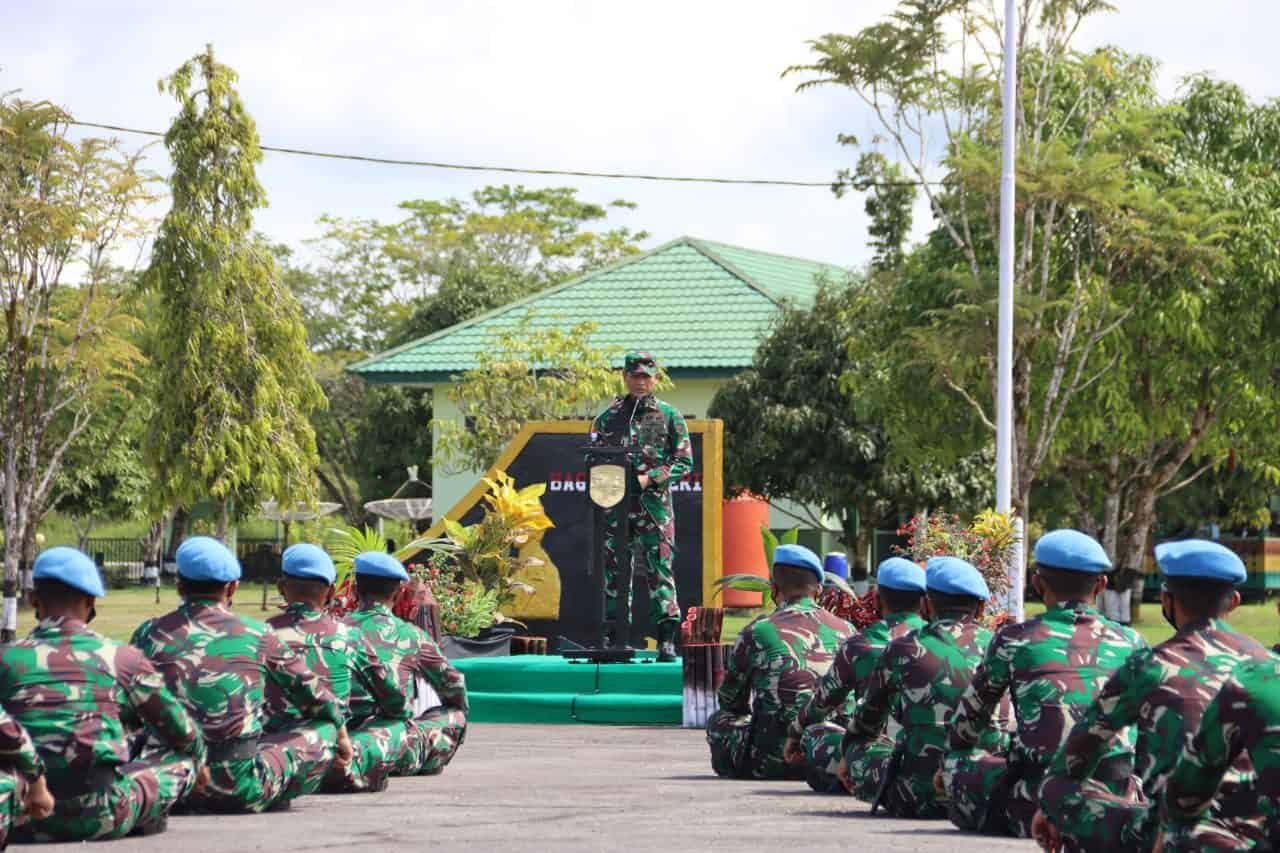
x=607 y=485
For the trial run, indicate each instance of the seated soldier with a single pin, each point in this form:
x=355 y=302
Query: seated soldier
x=80 y=695
x=1243 y=720
x=1163 y=693
x=918 y=681
x=24 y=791
x=1052 y=666
x=773 y=670
x=218 y=663
x=434 y=736
x=340 y=656
x=818 y=730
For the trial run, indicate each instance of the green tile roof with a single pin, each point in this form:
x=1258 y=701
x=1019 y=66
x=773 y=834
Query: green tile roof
x=700 y=306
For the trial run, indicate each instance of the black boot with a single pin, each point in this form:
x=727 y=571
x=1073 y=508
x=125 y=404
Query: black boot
x=667 y=641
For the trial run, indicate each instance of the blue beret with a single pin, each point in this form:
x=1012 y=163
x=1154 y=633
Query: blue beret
x=1200 y=558
x=837 y=564
x=203 y=559
x=1073 y=551
x=308 y=561
x=380 y=564
x=71 y=567
x=901 y=574
x=800 y=557
x=954 y=576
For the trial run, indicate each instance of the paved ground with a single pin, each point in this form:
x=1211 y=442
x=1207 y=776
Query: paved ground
x=568 y=788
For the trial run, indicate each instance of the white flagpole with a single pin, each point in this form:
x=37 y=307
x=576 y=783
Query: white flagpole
x=1004 y=354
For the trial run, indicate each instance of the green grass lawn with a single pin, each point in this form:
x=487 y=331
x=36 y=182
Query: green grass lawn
x=1258 y=620
x=123 y=610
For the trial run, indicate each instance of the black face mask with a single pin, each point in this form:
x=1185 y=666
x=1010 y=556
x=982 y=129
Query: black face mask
x=1168 y=617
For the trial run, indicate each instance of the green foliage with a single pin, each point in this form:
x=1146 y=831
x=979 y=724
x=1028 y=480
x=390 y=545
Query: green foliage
x=890 y=196
x=66 y=208
x=466 y=607
x=231 y=374
x=533 y=371
x=771 y=541
x=345 y=543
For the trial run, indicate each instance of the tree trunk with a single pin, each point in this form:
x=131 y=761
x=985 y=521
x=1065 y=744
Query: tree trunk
x=29 y=548
x=850 y=538
x=12 y=557
x=224 y=520
x=178 y=532
x=1111 y=506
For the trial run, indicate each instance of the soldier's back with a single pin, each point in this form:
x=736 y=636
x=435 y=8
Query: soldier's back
x=790 y=649
x=1056 y=664
x=325 y=644
x=64 y=683
x=214 y=661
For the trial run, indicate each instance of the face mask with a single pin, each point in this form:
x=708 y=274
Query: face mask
x=93 y=614
x=1168 y=617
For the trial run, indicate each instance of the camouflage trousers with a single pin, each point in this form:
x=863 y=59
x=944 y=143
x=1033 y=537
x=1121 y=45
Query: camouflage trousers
x=143 y=792
x=290 y=763
x=432 y=739
x=909 y=794
x=985 y=796
x=377 y=747
x=652 y=527
x=739 y=751
x=1090 y=816
x=822 y=753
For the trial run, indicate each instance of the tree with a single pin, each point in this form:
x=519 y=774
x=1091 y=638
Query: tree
x=449 y=260
x=528 y=373
x=792 y=432
x=1090 y=222
x=65 y=209
x=1193 y=389
x=231 y=382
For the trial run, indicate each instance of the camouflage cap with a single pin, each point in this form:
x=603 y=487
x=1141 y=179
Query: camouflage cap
x=641 y=362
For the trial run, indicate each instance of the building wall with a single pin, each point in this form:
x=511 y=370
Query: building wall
x=690 y=396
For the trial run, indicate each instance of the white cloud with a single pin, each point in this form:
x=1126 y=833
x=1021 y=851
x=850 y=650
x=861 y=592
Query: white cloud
x=682 y=88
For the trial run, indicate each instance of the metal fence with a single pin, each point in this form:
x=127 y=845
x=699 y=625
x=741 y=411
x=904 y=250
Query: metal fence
x=118 y=555
x=259 y=559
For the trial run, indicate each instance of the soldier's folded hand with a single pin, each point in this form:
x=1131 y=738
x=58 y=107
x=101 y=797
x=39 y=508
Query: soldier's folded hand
x=842 y=773
x=1045 y=833
x=342 y=749
x=792 y=753
x=939 y=786
x=38 y=803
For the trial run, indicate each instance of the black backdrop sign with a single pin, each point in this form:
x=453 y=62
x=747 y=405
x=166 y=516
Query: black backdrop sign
x=557 y=459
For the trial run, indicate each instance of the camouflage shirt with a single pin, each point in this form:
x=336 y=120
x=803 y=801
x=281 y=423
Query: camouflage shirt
x=1163 y=691
x=407 y=651
x=80 y=695
x=17 y=751
x=218 y=663
x=776 y=663
x=1243 y=718
x=340 y=656
x=1054 y=666
x=918 y=681
x=846 y=680
x=656 y=430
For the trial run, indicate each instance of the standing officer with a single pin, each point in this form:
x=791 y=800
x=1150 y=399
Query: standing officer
x=773 y=669
x=918 y=681
x=81 y=696
x=663 y=456
x=341 y=657
x=1052 y=666
x=404 y=648
x=218 y=664
x=818 y=730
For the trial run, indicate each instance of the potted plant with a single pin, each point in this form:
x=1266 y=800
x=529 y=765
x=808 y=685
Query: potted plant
x=987 y=543
x=345 y=543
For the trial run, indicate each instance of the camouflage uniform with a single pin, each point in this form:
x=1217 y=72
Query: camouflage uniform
x=1163 y=692
x=341 y=656
x=918 y=682
x=773 y=670
x=658 y=433
x=20 y=765
x=1243 y=719
x=1053 y=666
x=433 y=737
x=218 y=663
x=821 y=724
x=80 y=695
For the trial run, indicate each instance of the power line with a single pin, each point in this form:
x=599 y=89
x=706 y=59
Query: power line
x=575 y=173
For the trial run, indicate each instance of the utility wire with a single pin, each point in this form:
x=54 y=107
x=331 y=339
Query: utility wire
x=576 y=173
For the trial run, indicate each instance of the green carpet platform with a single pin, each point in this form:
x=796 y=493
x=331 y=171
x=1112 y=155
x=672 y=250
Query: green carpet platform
x=550 y=689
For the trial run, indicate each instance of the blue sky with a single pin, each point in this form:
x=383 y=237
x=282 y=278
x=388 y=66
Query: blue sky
x=673 y=87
